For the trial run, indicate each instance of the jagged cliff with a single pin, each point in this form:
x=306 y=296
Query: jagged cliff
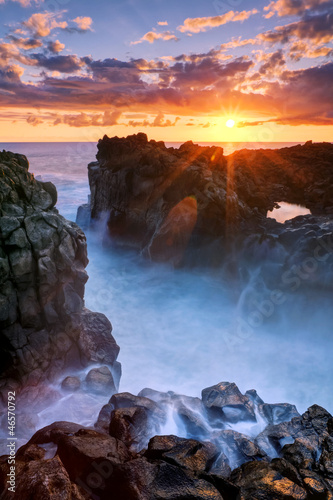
x=45 y=330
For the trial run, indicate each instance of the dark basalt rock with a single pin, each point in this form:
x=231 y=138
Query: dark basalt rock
x=182 y=205
x=45 y=331
x=225 y=401
x=84 y=463
x=100 y=380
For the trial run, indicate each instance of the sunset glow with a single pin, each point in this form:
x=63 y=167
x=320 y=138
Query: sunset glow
x=75 y=73
x=230 y=123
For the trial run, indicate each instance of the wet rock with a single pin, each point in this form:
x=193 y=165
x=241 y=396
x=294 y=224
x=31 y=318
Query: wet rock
x=238 y=447
x=261 y=481
x=100 y=380
x=71 y=384
x=44 y=328
x=90 y=457
x=187 y=453
x=127 y=400
x=45 y=479
x=133 y=426
x=225 y=401
x=277 y=413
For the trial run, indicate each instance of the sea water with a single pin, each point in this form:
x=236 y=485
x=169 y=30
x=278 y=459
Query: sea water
x=181 y=330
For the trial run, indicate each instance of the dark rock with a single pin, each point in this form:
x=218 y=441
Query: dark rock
x=192 y=203
x=44 y=329
x=187 y=453
x=44 y=479
x=100 y=380
x=133 y=426
x=261 y=481
x=277 y=413
x=226 y=402
x=71 y=384
x=127 y=400
x=238 y=447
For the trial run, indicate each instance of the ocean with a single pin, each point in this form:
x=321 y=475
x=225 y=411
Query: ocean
x=176 y=329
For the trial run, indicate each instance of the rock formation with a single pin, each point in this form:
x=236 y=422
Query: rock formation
x=193 y=205
x=45 y=331
x=291 y=459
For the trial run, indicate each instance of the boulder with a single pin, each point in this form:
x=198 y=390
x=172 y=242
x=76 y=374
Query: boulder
x=226 y=402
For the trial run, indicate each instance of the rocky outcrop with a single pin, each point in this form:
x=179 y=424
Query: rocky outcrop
x=45 y=330
x=194 y=205
x=290 y=460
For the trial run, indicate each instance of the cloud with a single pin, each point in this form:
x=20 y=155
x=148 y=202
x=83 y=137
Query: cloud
x=55 y=47
x=25 y=3
x=295 y=8
x=34 y=120
x=25 y=43
x=197 y=24
x=152 y=36
x=272 y=63
x=159 y=121
x=63 y=64
x=107 y=119
x=300 y=49
x=318 y=28
x=83 y=23
x=162 y=23
x=41 y=24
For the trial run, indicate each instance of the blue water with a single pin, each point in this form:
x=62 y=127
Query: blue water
x=179 y=330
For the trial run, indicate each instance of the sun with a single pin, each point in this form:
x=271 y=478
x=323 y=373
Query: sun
x=230 y=123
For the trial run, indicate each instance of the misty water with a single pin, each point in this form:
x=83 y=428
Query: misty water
x=184 y=331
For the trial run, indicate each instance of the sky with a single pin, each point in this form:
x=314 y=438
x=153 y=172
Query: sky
x=210 y=71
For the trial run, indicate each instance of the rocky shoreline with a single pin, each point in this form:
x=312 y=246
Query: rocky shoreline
x=232 y=446
x=285 y=456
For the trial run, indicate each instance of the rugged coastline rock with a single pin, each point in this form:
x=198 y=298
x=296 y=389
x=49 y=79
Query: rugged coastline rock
x=290 y=460
x=45 y=330
x=193 y=205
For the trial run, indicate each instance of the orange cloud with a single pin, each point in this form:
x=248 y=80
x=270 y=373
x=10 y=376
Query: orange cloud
x=83 y=23
x=41 y=24
x=197 y=24
x=292 y=8
x=152 y=36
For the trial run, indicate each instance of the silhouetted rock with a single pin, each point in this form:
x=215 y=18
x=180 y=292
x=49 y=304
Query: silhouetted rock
x=192 y=205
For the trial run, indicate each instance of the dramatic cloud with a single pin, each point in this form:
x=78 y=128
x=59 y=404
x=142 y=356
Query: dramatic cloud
x=152 y=36
x=197 y=24
x=295 y=7
x=298 y=50
x=55 y=47
x=63 y=64
x=41 y=24
x=318 y=28
x=273 y=63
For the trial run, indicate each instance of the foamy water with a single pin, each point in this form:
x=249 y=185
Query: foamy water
x=184 y=331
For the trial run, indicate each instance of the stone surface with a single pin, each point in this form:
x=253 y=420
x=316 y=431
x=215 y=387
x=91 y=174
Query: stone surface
x=45 y=331
x=180 y=205
x=65 y=459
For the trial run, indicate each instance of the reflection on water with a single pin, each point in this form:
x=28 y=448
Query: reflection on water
x=287 y=211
